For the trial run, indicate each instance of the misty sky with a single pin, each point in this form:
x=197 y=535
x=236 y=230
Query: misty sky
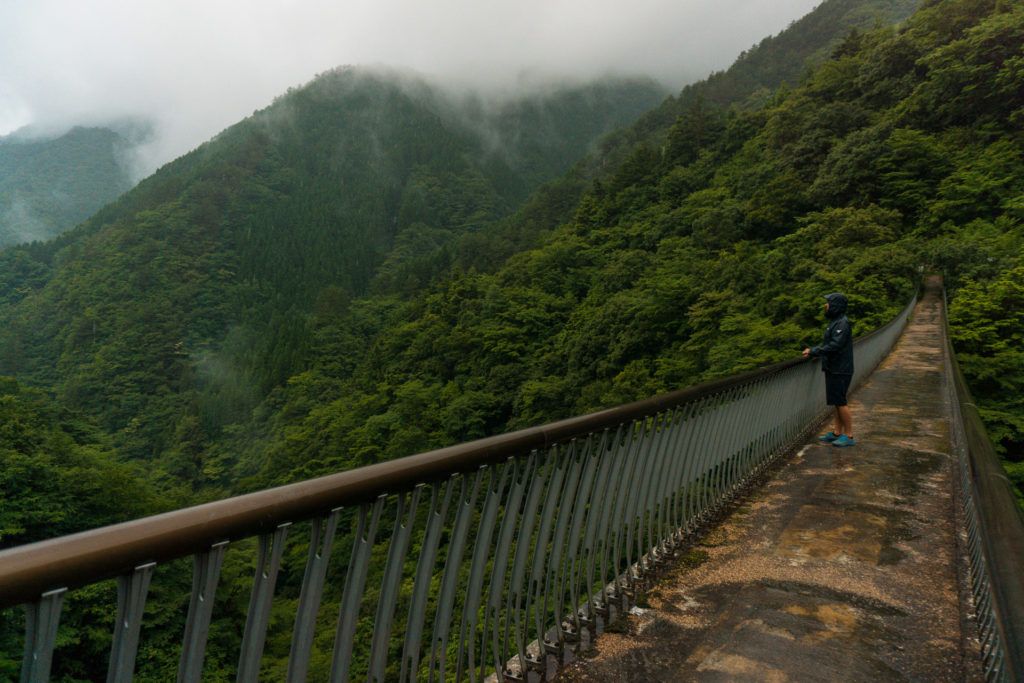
x=193 y=67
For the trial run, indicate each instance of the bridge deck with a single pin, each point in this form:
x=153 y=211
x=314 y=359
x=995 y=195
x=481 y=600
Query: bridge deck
x=842 y=568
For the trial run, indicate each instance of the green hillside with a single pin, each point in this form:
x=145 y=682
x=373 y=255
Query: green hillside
x=50 y=185
x=351 y=274
x=195 y=294
x=776 y=61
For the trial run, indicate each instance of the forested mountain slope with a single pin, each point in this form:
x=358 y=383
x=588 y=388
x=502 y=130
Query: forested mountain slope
x=49 y=185
x=174 y=310
x=783 y=59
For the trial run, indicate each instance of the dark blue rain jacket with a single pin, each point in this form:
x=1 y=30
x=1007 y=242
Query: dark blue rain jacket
x=836 y=350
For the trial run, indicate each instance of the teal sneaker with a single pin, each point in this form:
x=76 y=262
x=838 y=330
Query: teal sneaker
x=828 y=438
x=844 y=441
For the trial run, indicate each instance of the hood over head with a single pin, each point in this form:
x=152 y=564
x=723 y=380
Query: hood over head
x=836 y=304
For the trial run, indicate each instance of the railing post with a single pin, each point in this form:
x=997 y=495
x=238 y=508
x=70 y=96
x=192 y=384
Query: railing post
x=452 y=566
x=405 y=518
x=260 y=600
x=131 y=601
x=355 y=584
x=436 y=515
x=205 y=575
x=321 y=541
x=41 y=621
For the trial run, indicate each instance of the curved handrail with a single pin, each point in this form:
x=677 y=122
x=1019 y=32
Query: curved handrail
x=996 y=527
x=89 y=556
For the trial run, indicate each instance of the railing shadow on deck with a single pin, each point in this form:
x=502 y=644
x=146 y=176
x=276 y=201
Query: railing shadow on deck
x=449 y=563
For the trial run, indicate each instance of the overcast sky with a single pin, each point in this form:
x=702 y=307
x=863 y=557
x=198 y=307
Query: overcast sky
x=193 y=67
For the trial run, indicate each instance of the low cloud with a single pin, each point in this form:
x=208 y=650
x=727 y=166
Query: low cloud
x=194 y=67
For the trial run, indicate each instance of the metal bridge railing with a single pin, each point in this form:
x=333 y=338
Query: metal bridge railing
x=464 y=556
x=995 y=532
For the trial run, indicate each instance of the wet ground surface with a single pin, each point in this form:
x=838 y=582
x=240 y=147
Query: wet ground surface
x=843 y=567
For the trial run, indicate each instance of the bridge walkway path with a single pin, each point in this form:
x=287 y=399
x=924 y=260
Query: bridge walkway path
x=843 y=567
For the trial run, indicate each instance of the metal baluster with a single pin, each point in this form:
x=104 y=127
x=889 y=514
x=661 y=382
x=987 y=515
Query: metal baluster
x=575 y=461
x=638 y=498
x=391 y=582
x=656 y=507
x=666 y=493
x=205 y=575
x=659 y=493
x=709 y=452
x=752 y=452
x=424 y=574
x=620 y=446
x=131 y=601
x=597 y=524
x=662 y=529
x=515 y=591
x=732 y=421
x=800 y=400
x=811 y=402
x=739 y=436
x=522 y=475
x=708 y=456
x=777 y=396
x=700 y=451
x=42 y=618
x=711 y=449
x=355 y=584
x=623 y=503
x=799 y=396
x=452 y=567
x=762 y=446
x=651 y=459
x=260 y=601
x=679 y=481
x=641 y=504
x=321 y=540
x=592 y=457
x=746 y=448
x=481 y=553
x=558 y=456
x=720 y=451
x=785 y=390
x=634 y=504
x=645 y=495
x=618 y=492
x=719 y=447
x=694 y=508
x=687 y=454
x=779 y=427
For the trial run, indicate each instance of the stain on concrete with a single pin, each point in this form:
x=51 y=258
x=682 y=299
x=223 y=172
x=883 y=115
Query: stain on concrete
x=841 y=568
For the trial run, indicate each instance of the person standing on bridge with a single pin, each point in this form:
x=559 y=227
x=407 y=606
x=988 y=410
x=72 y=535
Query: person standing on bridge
x=836 y=353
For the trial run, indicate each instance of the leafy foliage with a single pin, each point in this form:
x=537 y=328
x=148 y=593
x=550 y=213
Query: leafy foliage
x=61 y=468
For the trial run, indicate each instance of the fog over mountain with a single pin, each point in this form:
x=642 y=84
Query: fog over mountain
x=193 y=68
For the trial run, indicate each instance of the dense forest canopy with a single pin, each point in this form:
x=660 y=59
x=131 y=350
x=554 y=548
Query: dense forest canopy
x=357 y=273
x=192 y=296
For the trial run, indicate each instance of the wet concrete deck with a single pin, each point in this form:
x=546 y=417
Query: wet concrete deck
x=843 y=567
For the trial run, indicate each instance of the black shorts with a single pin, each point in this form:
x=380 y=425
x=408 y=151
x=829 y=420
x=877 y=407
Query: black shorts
x=836 y=387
